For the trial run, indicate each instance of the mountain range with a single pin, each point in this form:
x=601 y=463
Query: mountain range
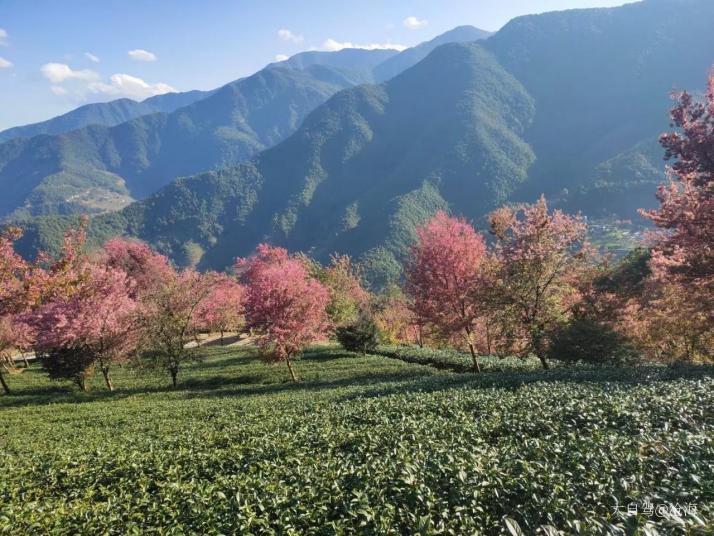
x=104 y=166
x=568 y=104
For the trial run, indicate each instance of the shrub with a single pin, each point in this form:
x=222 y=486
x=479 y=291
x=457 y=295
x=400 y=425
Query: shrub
x=589 y=341
x=69 y=363
x=360 y=336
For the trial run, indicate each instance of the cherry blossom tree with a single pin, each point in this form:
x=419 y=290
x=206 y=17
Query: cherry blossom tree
x=170 y=320
x=93 y=325
x=443 y=274
x=683 y=253
x=222 y=310
x=541 y=256
x=283 y=304
x=667 y=324
x=12 y=272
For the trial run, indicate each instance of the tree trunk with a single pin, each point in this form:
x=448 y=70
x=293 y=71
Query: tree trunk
x=539 y=349
x=24 y=360
x=82 y=384
x=543 y=361
x=488 y=340
x=4 y=383
x=290 y=368
x=222 y=344
x=540 y=352
x=477 y=368
x=174 y=373
x=107 y=378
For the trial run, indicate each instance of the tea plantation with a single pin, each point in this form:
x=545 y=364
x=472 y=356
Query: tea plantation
x=367 y=445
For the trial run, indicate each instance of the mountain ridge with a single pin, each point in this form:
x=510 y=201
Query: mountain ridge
x=104 y=113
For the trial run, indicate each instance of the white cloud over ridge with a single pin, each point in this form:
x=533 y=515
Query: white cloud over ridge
x=413 y=23
x=331 y=45
x=290 y=37
x=81 y=84
x=126 y=85
x=140 y=54
x=5 y=64
x=281 y=57
x=57 y=73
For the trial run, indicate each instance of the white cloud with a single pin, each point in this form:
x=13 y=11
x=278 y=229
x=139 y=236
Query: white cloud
x=58 y=90
x=59 y=72
x=91 y=57
x=80 y=84
x=142 y=55
x=412 y=23
x=3 y=36
x=287 y=35
x=281 y=57
x=125 y=85
x=331 y=45
x=5 y=64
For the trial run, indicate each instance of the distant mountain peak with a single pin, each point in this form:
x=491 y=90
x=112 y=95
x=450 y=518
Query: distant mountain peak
x=461 y=34
x=411 y=56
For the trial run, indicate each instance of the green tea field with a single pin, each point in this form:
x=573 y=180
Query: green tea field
x=366 y=445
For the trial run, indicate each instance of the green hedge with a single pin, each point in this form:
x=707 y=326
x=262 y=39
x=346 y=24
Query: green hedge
x=454 y=360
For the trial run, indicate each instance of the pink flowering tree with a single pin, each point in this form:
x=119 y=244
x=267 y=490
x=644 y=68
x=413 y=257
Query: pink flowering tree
x=541 y=258
x=170 y=320
x=443 y=276
x=24 y=287
x=683 y=254
x=94 y=325
x=283 y=304
x=13 y=272
x=222 y=310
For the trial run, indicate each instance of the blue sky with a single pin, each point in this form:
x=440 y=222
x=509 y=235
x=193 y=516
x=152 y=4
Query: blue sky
x=58 y=54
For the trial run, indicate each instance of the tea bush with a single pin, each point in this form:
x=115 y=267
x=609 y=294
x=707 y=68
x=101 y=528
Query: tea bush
x=363 y=445
x=587 y=341
x=360 y=336
x=448 y=359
